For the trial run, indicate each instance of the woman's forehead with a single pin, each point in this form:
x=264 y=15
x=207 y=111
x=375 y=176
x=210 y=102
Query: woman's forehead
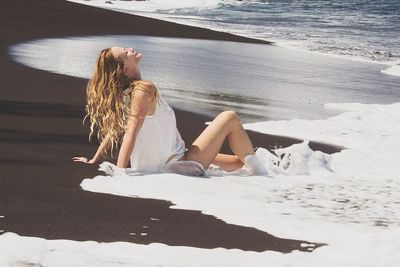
x=117 y=52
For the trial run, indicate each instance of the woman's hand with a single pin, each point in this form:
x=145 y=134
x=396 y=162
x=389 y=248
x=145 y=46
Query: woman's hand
x=83 y=159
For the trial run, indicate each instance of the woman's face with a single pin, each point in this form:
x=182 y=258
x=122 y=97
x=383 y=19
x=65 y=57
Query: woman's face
x=129 y=58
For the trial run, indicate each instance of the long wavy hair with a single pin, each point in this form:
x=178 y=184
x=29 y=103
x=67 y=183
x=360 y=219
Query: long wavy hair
x=104 y=95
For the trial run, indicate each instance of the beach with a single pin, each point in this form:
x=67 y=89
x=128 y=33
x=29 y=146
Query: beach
x=42 y=194
x=42 y=130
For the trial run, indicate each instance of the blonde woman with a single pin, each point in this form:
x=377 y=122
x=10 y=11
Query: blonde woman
x=126 y=110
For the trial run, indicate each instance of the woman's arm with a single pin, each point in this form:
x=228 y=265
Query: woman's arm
x=102 y=147
x=142 y=96
x=99 y=153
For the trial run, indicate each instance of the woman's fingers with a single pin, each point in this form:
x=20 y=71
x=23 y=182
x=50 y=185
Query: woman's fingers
x=81 y=159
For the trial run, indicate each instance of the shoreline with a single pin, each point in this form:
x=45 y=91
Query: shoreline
x=42 y=130
x=76 y=20
x=181 y=21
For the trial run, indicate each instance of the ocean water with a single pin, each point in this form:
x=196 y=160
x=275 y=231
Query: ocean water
x=360 y=29
x=260 y=82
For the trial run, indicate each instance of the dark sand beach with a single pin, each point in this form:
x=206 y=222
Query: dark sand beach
x=41 y=130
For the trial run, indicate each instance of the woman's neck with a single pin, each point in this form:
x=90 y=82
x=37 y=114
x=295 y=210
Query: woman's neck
x=136 y=76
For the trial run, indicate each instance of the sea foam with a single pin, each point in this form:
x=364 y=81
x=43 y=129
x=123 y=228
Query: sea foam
x=394 y=70
x=351 y=205
x=334 y=200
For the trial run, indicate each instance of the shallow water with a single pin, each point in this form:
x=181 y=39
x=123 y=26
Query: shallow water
x=260 y=82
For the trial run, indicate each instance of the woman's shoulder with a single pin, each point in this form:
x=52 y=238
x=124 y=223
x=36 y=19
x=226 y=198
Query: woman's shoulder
x=148 y=92
x=144 y=85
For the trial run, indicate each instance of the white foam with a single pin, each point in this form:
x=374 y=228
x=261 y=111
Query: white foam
x=150 y=6
x=24 y=251
x=394 y=70
x=349 y=201
x=307 y=46
x=338 y=201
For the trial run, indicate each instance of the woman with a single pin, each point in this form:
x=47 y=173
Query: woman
x=122 y=105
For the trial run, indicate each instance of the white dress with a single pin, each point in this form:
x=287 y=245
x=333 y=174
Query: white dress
x=158 y=141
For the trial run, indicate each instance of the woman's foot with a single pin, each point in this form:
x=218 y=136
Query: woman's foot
x=255 y=165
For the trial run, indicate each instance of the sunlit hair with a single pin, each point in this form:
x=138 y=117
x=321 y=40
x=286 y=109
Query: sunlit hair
x=104 y=95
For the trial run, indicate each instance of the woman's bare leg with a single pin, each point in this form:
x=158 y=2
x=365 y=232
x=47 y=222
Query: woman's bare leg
x=228 y=162
x=226 y=125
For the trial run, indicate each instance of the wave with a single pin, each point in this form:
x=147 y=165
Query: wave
x=153 y=5
x=356 y=30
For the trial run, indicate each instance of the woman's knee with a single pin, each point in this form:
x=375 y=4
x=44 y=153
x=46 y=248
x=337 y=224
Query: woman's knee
x=229 y=116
